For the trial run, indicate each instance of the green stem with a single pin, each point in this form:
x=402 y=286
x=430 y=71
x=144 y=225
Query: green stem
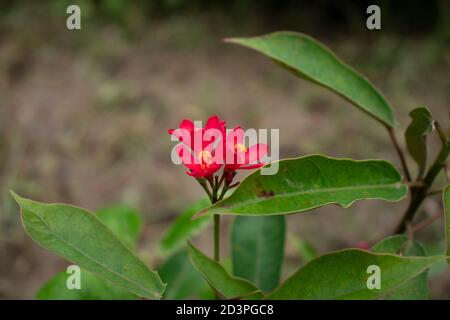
x=217 y=237
x=441 y=132
x=214 y=183
x=214 y=196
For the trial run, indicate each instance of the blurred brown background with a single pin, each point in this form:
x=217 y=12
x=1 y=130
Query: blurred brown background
x=84 y=114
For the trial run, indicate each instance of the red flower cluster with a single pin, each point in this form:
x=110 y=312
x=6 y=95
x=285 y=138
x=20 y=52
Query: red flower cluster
x=204 y=151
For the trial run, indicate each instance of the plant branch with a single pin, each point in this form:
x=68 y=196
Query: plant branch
x=400 y=154
x=434 y=192
x=415 y=184
x=419 y=193
x=440 y=132
x=426 y=222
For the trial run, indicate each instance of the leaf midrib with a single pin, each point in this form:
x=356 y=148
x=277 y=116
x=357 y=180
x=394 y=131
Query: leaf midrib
x=297 y=193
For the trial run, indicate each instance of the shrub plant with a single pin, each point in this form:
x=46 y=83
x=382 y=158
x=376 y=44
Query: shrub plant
x=103 y=244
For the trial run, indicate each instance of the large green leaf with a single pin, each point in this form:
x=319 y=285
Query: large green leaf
x=447 y=218
x=257 y=248
x=80 y=237
x=92 y=288
x=183 y=280
x=225 y=285
x=309 y=182
x=311 y=60
x=415 y=135
x=416 y=288
x=184 y=228
x=344 y=274
x=123 y=221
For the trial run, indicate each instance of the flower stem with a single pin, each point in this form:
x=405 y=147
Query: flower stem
x=217 y=237
x=215 y=195
x=202 y=182
x=214 y=182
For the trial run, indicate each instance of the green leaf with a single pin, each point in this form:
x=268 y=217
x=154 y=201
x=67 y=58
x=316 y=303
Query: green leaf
x=184 y=228
x=183 y=280
x=92 y=288
x=225 y=285
x=399 y=244
x=447 y=218
x=421 y=125
x=309 y=59
x=80 y=237
x=416 y=288
x=123 y=221
x=257 y=248
x=310 y=182
x=435 y=248
x=343 y=275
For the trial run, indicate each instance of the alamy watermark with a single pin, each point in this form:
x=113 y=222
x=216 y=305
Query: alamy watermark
x=373 y=22
x=73 y=281
x=73 y=21
x=374 y=280
x=232 y=147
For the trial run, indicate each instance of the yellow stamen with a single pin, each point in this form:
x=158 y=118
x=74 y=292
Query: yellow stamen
x=240 y=147
x=205 y=158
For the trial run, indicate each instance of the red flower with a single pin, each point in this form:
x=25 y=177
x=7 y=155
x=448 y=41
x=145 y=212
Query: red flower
x=204 y=151
x=199 y=151
x=238 y=156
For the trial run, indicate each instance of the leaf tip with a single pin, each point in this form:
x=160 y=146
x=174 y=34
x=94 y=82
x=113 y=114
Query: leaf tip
x=16 y=197
x=229 y=40
x=240 y=41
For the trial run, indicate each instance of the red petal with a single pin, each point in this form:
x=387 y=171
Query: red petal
x=235 y=136
x=252 y=166
x=187 y=124
x=214 y=122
